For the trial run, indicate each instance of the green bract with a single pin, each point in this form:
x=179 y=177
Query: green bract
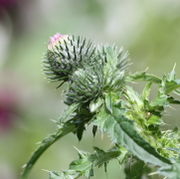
x=99 y=92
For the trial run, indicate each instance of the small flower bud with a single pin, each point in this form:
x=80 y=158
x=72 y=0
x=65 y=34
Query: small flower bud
x=65 y=55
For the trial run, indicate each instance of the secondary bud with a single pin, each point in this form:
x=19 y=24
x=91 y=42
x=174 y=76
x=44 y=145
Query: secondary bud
x=87 y=84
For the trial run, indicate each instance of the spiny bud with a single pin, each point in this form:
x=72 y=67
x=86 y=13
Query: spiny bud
x=87 y=84
x=114 y=56
x=116 y=63
x=65 y=55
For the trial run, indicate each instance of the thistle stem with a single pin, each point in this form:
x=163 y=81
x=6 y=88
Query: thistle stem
x=46 y=143
x=68 y=127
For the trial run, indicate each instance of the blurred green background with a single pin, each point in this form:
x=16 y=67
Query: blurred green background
x=150 y=30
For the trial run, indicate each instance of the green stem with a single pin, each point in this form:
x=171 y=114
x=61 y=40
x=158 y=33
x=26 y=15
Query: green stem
x=67 y=128
x=46 y=143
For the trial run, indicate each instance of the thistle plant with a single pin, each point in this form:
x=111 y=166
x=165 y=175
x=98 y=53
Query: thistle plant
x=100 y=94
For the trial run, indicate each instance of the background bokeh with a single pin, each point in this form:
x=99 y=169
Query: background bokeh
x=150 y=30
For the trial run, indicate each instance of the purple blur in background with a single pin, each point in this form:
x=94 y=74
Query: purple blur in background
x=8 y=109
x=7 y=3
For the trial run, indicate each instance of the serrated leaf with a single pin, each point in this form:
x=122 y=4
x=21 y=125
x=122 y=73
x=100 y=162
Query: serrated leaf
x=122 y=131
x=84 y=166
x=143 y=76
x=136 y=169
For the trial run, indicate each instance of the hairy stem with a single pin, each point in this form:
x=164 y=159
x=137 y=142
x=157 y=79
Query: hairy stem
x=67 y=128
x=46 y=143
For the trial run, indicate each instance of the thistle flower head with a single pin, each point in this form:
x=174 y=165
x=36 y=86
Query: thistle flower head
x=88 y=70
x=65 y=55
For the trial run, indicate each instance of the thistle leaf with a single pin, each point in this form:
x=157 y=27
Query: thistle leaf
x=84 y=166
x=122 y=131
x=136 y=169
x=143 y=76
